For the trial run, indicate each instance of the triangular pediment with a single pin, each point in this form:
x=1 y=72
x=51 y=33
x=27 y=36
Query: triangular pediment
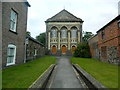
x=64 y=16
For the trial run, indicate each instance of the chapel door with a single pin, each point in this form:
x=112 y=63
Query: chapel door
x=54 y=49
x=64 y=49
x=73 y=49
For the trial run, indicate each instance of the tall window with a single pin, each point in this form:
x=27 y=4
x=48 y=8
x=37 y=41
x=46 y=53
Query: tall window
x=104 y=51
x=11 y=54
x=53 y=33
x=118 y=24
x=74 y=34
x=103 y=35
x=13 y=21
x=63 y=33
x=35 y=52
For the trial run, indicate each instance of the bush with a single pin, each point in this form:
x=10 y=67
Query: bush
x=82 y=50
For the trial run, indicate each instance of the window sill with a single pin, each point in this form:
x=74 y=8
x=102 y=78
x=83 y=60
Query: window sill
x=13 y=32
x=10 y=64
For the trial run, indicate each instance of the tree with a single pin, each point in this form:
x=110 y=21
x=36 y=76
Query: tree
x=82 y=50
x=86 y=36
x=41 y=38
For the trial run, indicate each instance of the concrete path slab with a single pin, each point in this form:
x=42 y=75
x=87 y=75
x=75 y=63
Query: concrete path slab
x=65 y=76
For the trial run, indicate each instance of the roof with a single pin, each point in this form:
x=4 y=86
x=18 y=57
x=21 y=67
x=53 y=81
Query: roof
x=116 y=18
x=27 y=3
x=36 y=41
x=64 y=16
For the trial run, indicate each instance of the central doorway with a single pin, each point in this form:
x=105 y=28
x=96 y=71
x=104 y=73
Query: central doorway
x=54 y=49
x=64 y=49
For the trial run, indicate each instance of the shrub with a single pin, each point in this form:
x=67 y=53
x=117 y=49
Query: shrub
x=82 y=50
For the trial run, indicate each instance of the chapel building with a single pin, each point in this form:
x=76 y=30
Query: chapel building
x=63 y=33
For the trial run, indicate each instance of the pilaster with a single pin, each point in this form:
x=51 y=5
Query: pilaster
x=68 y=40
x=48 y=40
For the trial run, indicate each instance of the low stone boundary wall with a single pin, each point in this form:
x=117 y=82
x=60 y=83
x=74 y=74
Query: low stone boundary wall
x=88 y=79
x=43 y=79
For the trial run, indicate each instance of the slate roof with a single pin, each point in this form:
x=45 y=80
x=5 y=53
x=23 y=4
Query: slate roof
x=27 y=3
x=64 y=16
x=34 y=40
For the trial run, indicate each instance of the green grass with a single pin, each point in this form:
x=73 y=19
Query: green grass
x=24 y=75
x=107 y=74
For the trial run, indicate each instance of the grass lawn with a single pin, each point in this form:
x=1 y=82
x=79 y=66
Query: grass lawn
x=24 y=75
x=107 y=74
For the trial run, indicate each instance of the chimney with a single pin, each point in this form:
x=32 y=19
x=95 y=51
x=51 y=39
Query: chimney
x=119 y=8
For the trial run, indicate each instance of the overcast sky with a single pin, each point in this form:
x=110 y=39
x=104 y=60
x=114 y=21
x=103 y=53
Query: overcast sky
x=94 y=13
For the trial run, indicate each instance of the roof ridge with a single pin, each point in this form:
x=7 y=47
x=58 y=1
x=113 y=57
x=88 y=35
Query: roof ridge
x=56 y=14
x=61 y=14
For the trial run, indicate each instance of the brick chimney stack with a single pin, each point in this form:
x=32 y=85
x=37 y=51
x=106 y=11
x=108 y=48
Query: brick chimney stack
x=119 y=8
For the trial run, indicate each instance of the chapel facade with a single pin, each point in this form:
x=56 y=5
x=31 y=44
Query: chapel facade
x=63 y=33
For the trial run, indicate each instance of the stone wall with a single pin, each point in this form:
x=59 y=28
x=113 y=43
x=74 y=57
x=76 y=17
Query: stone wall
x=34 y=49
x=15 y=38
x=112 y=54
x=68 y=44
x=1 y=35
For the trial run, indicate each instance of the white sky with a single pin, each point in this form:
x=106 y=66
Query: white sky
x=94 y=13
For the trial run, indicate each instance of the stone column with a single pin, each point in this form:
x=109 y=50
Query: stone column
x=48 y=40
x=78 y=37
x=68 y=40
x=58 y=40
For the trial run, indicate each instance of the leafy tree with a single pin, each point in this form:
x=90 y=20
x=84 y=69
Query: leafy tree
x=28 y=33
x=87 y=35
x=41 y=38
x=82 y=50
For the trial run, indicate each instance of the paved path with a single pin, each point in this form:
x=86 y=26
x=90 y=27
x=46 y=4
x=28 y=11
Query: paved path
x=65 y=76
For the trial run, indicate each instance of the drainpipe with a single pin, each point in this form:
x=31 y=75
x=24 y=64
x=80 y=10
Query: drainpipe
x=25 y=56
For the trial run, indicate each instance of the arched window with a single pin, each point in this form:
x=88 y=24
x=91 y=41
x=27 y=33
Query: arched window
x=53 y=33
x=64 y=32
x=73 y=32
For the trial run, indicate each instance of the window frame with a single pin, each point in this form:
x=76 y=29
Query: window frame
x=35 y=52
x=104 y=51
x=53 y=33
x=103 y=34
x=63 y=33
x=119 y=24
x=14 y=21
x=73 y=34
x=14 y=57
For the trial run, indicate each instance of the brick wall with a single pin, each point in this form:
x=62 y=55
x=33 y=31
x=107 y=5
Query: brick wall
x=110 y=41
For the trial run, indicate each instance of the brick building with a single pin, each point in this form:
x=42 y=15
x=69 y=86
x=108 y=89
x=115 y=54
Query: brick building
x=34 y=49
x=63 y=33
x=109 y=41
x=14 y=25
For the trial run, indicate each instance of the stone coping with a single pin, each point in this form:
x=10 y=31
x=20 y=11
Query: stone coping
x=42 y=80
x=90 y=81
